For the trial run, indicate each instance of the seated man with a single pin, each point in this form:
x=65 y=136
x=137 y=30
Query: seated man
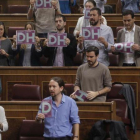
x=104 y=41
x=64 y=114
x=3 y=121
x=65 y=6
x=61 y=56
x=93 y=77
x=130 y=33
x=89 y=4
x=130 y=5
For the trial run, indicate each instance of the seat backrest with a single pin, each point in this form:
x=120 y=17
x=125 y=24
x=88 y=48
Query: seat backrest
x=78 y=59
x=69 y=88
x=31 y=130
x=121 y=104
x=18 y=8
x=21 y=92
x=108 y=9
x=12 y=30
x=114 y=59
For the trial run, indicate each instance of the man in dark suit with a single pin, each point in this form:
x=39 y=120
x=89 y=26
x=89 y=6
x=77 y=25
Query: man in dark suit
x=130 y=33
x=61 y=56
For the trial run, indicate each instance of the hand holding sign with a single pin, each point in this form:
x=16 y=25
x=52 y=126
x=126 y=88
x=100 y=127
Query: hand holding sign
x=40 y=116
x=47 y=108
x=136 y=47
x=67 y=41
x=32 y=2
x=124 y=47
x=91 y=95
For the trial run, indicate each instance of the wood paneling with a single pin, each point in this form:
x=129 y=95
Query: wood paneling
x=89 y=113
x=41 y=76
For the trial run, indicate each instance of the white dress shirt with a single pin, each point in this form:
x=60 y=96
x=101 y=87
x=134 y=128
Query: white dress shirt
x=99 y=4
x=129 y=37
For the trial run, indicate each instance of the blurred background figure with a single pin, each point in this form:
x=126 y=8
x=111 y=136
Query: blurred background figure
x=5 y=48
x=3 y=121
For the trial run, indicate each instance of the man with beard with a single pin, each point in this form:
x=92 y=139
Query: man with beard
x=64 y=116
x=58 y=56
x=105 y=40
x=130 y=33
x=93 y=77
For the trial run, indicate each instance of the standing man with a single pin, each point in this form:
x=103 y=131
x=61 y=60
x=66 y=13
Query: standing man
x=130 y=33
x=44 y=17
x=104 y=42
x=64 y=114
x=93 y=77
x=89 y=4
x=61 y=56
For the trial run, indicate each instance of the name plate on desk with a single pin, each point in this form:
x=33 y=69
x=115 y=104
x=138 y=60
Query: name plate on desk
x=25 y=36
x=43 y=4
x=57 y=40
x=47 y=108
x=124 y=47
x=90 y=33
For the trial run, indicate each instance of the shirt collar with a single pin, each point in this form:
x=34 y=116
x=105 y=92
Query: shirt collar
x=133 y=30
x=62 y=100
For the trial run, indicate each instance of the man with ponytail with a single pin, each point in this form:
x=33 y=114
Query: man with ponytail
x=64 y=114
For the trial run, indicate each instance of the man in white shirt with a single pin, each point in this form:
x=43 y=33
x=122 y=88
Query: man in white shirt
x=130 y=33
x=3 y=121
x=82 y=22
x=99 y=4
x=104 y=42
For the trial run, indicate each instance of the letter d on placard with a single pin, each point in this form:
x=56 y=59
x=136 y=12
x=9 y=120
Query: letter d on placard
x=44 y=111
x=86 y=33
x=19 y=36
x=52 y=39
x=39 y=3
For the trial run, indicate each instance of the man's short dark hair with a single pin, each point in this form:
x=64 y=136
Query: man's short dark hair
x=61 y=16
x=96 y=9
x=92 y=1
x=93 y=49
x=128 y=12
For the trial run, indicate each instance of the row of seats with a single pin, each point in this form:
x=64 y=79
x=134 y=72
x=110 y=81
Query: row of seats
x=24 y=9
x=33 y=130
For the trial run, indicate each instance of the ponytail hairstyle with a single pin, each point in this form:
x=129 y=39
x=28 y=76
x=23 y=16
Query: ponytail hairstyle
x=60 y=83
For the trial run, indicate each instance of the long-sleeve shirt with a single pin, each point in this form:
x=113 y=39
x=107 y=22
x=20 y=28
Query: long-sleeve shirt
x=131 y=5
x=63 y=117
x=99 y=4
x=65 y=6
x=107 y=33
